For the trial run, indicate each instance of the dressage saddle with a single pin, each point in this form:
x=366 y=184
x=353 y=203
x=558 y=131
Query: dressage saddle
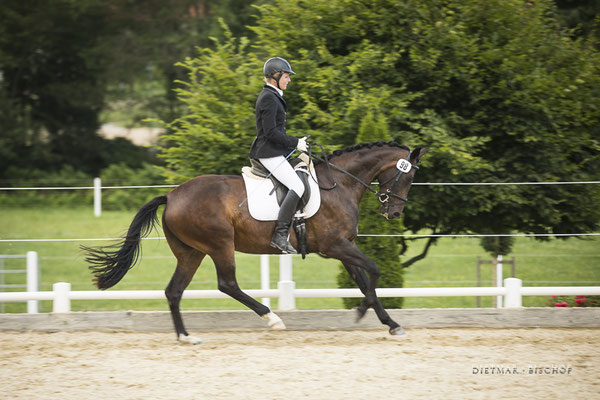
x=280 y=189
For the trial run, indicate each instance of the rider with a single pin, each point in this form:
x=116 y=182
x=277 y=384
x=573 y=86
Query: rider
x=272 y=145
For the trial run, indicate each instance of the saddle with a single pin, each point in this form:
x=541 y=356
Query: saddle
x=279 y=188
x=264 y=196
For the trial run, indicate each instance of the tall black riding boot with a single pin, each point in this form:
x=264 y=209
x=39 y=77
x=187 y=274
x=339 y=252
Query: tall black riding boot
x=284 y=220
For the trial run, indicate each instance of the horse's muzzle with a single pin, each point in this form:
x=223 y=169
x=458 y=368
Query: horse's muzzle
x=389 y=213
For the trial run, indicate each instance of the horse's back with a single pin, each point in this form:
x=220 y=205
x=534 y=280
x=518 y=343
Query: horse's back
x=206 y=194
x=204 y=186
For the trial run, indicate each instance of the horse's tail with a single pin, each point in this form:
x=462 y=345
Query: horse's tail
x=110 y=264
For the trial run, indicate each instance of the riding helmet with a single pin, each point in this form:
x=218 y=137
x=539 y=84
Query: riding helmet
x=275 y=65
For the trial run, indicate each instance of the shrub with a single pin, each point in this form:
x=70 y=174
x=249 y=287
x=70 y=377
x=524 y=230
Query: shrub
x=115 y=175
x=66 y=176
x=122 y=175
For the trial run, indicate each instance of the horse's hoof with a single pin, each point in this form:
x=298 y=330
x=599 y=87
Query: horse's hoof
x=274 y=321
x=189 y=339
x=278 y=326
x=360 y=312
x=397 y=331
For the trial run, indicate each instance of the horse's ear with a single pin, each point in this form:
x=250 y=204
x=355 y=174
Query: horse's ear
x=417 y=154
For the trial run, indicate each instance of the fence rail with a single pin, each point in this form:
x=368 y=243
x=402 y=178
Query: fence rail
x=97 y=187
x=10 y=188
x=422 y=236
x=62 y=295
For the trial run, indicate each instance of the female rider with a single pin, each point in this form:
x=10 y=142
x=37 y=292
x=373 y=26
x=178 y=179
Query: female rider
x=272 y=145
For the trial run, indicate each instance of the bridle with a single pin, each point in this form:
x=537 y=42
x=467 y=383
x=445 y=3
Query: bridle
x=403 y=166
x=406 y=166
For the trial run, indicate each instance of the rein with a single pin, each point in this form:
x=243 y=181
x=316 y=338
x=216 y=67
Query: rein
x=383 y=197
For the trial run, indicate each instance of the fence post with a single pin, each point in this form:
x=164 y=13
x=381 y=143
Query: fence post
x=62 y=302
x=499 y=276
x=286 y=285
x=97 y=197
x=513 y=293
x=265 y=277
x=32 y=280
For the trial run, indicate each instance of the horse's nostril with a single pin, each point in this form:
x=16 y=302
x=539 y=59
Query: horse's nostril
x=396 y=214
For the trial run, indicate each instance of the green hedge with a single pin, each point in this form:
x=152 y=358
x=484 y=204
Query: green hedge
x=112 y=199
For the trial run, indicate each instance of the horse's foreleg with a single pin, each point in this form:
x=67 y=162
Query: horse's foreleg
x=350 y=255
x=359 y=276
x=228 y=284
x=357 y=263
x=180 y=280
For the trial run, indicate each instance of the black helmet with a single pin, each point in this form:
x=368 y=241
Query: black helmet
x=275 y=65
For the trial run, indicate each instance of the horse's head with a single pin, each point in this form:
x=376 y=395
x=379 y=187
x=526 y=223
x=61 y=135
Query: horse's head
x=395 y=182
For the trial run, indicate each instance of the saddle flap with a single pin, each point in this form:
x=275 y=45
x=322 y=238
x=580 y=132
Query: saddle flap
x=281 y=190
x=263 y=194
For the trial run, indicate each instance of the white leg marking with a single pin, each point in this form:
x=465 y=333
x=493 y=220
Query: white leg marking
x=190 y=339
x=274 y=321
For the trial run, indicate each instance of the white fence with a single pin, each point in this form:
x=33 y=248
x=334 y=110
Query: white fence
x=33 y=277
x=62 y=295
x=511 y=292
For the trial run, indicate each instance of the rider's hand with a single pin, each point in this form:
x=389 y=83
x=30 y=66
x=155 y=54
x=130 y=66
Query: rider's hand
x=302 y=146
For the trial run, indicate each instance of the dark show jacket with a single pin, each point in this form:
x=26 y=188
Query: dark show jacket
x=271 y=139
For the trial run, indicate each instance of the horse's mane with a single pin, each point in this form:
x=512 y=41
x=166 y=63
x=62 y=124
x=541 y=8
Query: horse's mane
x=360 y=146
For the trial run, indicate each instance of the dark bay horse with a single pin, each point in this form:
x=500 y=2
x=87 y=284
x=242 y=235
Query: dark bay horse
x=203 y=217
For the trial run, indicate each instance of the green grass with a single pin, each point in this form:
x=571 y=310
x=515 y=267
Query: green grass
x=451 y=263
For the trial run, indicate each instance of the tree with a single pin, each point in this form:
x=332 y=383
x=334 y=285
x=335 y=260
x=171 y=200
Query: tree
x=151 y=37
x=51 y=81
x=581 y=15
x=497 y=245
x=215 y=133
x=496 y=89
x=61 y=61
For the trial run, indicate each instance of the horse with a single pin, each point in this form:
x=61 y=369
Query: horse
x=208 y=215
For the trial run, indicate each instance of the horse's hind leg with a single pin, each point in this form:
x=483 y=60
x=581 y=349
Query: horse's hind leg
x=359 y=276
x=188 y=261
x=225 y=265
x=186 y=268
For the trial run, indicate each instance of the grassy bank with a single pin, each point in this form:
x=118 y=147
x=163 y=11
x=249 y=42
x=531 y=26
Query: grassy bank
x=452 y=262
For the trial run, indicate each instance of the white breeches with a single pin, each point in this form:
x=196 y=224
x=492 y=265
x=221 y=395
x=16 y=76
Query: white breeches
x=283 y=171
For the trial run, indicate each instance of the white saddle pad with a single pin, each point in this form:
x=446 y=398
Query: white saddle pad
x=263 y=206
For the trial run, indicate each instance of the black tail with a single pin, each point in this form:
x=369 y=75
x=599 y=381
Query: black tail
x=110 y=264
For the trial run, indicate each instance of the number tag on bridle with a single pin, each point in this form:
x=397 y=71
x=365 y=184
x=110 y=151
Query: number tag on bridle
x=403 y=165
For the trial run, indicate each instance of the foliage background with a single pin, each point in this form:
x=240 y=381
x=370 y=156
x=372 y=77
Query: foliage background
x=497 y=90
x=501 y=91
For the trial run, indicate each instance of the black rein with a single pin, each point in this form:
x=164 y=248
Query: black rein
x=383 y=197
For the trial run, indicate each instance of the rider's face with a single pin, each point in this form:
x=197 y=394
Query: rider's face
x=285 y=79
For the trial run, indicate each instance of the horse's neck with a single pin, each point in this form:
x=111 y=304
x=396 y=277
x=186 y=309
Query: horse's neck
x=366 y=165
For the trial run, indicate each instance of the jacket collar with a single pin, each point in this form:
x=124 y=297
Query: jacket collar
x=279 y=91
x=274 y=90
